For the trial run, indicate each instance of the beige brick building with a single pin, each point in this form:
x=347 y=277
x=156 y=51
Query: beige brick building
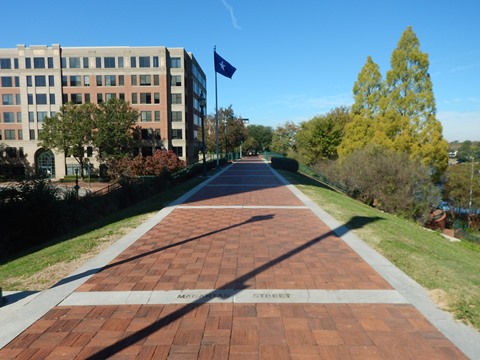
x=163 y=84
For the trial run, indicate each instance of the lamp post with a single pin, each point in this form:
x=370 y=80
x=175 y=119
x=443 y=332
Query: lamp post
x=202 y=103
x=76 y=183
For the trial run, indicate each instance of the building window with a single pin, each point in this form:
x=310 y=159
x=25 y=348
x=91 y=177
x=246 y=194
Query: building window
x=31 y=116
x=29 y=81
x=109 y=62
x=20 y=134
x=176 y=80
x=40 y=80
x=87 y=98
x=99 y=80
x=109 y=96
x=18 y=99
x=41 y=115
x=145 y=98
x=17 y=81
x=99 y=98
x=156 y=98
x=121 y=96
x=133 y=62
x=39 y=63
x=134 y=80
x=86 y=80
x=177 y=134
x=134 y=98
x=64 y=98
x=144 y=61
x=28 y=63
x=7 y=99
x=121 y=80
x=156 y=80
x=51 y=80
x=19 y=117
x=5 y=63
x=74 y=62
x=41 y=99
x=110 y=80
x=178 y=150
x=98 y=62
x=8 y=117
x=157 y=115
x=120 y=62
x=64 y=63
x=176 y=98
x=76 y=98
x=175 y=63
x=52 y=99
x=176 y=116
x=15 y=63
x=75 y=80
x=32 y=134
x=6 y=81
x=145 y=80
x=155 y=61
x=9 y=134
x=86 y=65
x=64 y=80
x=146 y=116
x=50 y=62
x=30 y=99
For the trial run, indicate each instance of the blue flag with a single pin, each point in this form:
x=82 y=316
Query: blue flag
x=223 y=67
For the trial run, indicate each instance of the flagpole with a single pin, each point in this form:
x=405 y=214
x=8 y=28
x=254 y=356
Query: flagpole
x=216 y=110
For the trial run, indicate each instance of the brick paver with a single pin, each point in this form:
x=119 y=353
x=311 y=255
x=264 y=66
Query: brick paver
x=243 y=230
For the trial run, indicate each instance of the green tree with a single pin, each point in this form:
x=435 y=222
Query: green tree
x=459 y=182
x=283 y=139
x=69 y=131
x=262 y=135
x=367 y=93
x=410 y=105
x=319 y=138
x=231 y=131
x=400 y=114
x=467 y=150
x=116 y=131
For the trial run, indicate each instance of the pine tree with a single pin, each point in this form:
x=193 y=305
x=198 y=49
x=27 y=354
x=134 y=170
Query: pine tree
x=410 y=105
x=367 y=92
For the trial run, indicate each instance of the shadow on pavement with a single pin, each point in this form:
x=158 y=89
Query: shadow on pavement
x=236 y=285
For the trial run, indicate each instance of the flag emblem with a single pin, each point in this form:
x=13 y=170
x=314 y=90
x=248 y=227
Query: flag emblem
x=223 y=67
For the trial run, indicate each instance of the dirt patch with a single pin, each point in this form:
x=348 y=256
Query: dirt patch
x=440 y=298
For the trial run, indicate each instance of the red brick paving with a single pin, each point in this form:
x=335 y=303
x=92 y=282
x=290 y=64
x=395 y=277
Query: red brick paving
x=263 y=331
x=254 y=248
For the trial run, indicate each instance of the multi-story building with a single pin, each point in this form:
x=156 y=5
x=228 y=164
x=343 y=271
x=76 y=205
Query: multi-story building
x=163 y=84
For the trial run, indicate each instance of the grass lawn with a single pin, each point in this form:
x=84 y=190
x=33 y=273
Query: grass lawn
x=450 y=270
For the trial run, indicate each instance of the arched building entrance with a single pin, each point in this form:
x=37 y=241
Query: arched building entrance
x=45 y=161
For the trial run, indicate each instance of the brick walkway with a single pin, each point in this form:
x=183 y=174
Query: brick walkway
x=242 y=269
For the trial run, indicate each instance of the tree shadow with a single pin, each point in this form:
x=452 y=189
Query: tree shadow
x=228 y=290
x=154 y=251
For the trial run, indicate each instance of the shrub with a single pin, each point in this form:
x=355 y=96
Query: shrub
x=390 y=181
x=284 y=164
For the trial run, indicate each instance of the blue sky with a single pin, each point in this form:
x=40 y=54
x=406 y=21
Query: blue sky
x=294 y=59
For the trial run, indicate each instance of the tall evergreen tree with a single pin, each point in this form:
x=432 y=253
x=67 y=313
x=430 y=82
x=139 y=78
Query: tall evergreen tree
x=367 y=93
x=410 y=106
x=399 y=113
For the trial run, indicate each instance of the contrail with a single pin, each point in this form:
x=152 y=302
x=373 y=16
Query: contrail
x=232 y=15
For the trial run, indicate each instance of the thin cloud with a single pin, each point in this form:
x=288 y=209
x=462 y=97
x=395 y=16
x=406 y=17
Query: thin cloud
x=232 y=15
